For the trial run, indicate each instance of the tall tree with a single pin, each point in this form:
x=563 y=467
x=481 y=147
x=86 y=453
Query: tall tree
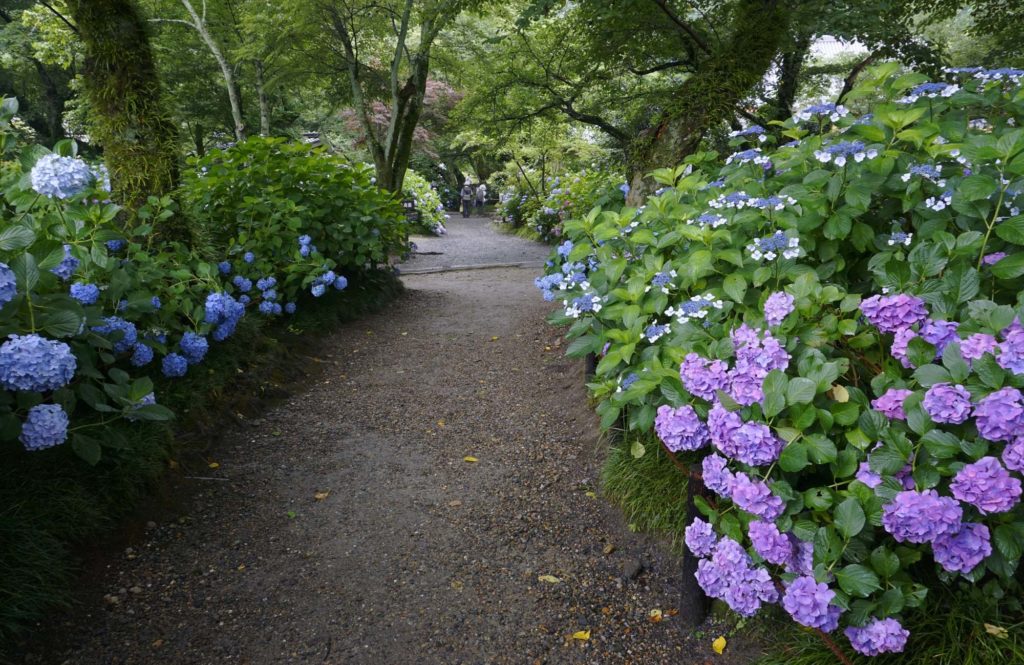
x=131 y=124
x=384 y=50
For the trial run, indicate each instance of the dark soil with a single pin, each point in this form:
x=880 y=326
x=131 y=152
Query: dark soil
x=350 y=524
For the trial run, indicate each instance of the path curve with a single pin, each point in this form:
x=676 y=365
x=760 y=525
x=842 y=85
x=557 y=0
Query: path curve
x=347 y=526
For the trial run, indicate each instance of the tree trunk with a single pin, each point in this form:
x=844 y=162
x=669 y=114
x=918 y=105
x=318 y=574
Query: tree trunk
x=129 y=120
x=711 y=95
x=261 y=93
x=199 y=23
x=789 y=76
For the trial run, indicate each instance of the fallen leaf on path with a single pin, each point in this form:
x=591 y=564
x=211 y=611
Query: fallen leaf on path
x=320 y=496
x=440 y=423
x=608 y=549
x=241 y=566
x=454 y=504
x=494 y=339
x=592 y=494
x=172 y=464
x=214 y=465
x=998 y=631
x=655 y=615
x=581 y=635
x=470 y=458
x=550 y=579
x=457 y=585
x=672 y=612
x=718 y=645
x=157 y=644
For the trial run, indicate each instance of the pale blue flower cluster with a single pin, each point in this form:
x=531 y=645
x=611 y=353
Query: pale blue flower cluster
x=45 y=426
x=60 y=177
x=35 y=364
x=8 y=284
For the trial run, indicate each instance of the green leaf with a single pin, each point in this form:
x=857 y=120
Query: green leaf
x=941 y=445
x=1011 y=267
x=1012 y=230
x=953 y=360
x=849 y=518
x=820 y=449
x=774 y=389
x=793 y=457
x=637 y=449
x=800 y=390
x=1008 y=541
x=156 y=412
x=977 y=187
x=735 y=287
x=86 y=448
x=16 y=237
x=26 y=271
x=990 y=373
x=62 y=323
x=884 y=562
x=857 y=580
x=929 y=375
x=920 y=352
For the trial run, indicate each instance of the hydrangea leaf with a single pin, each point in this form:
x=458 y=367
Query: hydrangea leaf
x=857 y=580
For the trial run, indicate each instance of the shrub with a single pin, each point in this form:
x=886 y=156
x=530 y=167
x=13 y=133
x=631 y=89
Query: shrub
x=830 y=328
x=428 y=203
x=570 y=196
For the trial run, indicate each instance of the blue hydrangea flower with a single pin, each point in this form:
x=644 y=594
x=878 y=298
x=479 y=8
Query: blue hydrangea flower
x=174 y=365
x=147 y=400
x=87 y=294
x=193 y=347
x=224 y=267
x=266 y=308
x=115 y=325
x=304 y=240
x=304 y=250
x=35 y=364
x=270 y=294
x=8 y=284
x=60 y=177
x=340 y=283
x=142 y=354
x=248 y=257
x=266 y=283
x=565 y=248
x=116 y=245
x=242 y=284
x=155 y=302
x=831 y=111
x=318 y=290
x=122 y=305
x=290 y=308
x=245 y=300
x=45 y=427
x=328 y=278
x=67 y=266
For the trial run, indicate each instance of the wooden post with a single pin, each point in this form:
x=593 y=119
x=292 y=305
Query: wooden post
x=693 y=604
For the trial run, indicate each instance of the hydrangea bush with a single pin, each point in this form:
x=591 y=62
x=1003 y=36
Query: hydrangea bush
x=827 y=325
x=432 y=215
x=90 y=310
x=568 y=196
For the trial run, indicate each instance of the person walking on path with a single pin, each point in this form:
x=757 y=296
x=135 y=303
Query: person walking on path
x=467 y=197
x=481 y=196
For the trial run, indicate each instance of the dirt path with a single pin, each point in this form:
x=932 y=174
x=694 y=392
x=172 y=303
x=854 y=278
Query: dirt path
x=346 y=526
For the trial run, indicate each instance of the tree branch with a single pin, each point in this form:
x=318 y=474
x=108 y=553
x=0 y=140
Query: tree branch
x=683 y=25
x=851 y=78
x=74 y=28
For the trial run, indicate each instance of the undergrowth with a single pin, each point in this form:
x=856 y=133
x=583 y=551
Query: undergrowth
x=649 y=489
x=52 y=503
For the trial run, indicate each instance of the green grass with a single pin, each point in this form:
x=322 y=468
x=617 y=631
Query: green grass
x=949 y=630
x=524 y=232
x=650 y=490
x=52 y=503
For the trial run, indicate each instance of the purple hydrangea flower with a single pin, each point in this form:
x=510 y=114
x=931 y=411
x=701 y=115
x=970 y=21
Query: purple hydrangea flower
x=774 y=547
x=756 y=498
x=895 y=312
x=701 y=377
x=700 y=537
x=808 y=602
x=716 y=475
x=977 y=345
x=777 y=307
x=920 y=517
x=867 y=476
x=890 y=404
x=993 y=258
x=722 y=424
x=1011 y=352
x=939 y=333
x=947 y=403
x=961 y=552
x=900 y=343
x=802 y=561
x=987 y=486
x=1000 y=415
x=680 y=428
x=752 y=443
x=729 y=575
x=1013 y=455
x=878 y=636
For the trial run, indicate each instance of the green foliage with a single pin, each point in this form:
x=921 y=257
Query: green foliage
x=262 y=194
x=569 y=195
x=841 y=198
x=428 y=203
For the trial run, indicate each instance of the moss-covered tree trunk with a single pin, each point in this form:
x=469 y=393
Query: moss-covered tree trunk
x=128 y=119
x=710 y=95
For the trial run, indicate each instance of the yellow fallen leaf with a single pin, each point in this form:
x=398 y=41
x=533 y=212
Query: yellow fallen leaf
x=494 y=339
x=581 y=635
x=718 y=645
x=550 y=579
x=470 y=458
x=840 y=394
x=655 y=615
x=320 y=496
x=241 y=566
x=591 y=494
x=214 y=465
x=440 y=423
x=998 y=631
x=457 y=585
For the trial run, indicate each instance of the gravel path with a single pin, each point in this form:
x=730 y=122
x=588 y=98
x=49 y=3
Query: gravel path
x=473 y=242
x=401 y=508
